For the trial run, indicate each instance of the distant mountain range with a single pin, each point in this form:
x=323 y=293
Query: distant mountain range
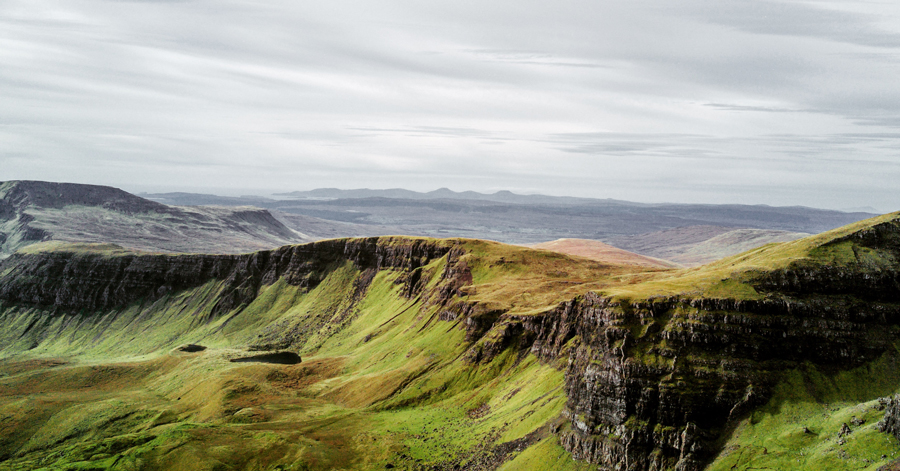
x=521 y=218
x=441 y=193
x=688 y=234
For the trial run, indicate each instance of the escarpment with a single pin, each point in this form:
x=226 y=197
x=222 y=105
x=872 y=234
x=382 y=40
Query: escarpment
x=654 y=383
x=93 y=281
x=651 y=381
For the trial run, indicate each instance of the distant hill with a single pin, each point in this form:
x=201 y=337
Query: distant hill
x=200 y=199
x=596 y=250
x=674 y=232
x=441 y=193
x=531 y=223
x=32 y=212
x=696 y=245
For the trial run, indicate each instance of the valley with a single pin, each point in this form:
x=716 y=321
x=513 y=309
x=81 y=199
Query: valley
x=422 y=353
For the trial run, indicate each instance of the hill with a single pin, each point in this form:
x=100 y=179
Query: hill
x=425 y=353
x=32 y=212
x=697 y=245
x=596 y=250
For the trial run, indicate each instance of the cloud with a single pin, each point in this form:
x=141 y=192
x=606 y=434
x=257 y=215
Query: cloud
x=747 y=100
x=831 y=21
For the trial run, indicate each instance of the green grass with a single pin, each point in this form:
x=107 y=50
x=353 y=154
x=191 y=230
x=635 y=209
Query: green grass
x=798 y=428
x=383 y=381
x=731 y=277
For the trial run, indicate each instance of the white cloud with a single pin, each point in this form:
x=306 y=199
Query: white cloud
x=699 y=100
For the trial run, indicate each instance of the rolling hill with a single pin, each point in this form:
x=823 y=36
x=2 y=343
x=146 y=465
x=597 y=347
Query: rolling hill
x=596 y=250
x=422 y=353
x=697 y=245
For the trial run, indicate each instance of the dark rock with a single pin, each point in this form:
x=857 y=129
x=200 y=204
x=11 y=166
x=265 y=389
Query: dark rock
x=280 y=358
x=191 y=348
x=891 y=421
x=845 y=430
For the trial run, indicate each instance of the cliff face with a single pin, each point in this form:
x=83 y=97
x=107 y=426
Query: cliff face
x=653 y=383
x=92 y=281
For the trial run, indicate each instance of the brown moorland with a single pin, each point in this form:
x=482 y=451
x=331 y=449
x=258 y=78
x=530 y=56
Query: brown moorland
x=601 y=252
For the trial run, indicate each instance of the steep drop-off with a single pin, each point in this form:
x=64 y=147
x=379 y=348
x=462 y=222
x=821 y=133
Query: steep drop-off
x=441 y=354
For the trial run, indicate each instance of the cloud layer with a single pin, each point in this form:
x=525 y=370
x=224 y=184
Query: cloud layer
x=693 y=101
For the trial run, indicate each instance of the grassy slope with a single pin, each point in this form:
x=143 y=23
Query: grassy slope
x=798 y=428
x=730 y=276
x=773 y=437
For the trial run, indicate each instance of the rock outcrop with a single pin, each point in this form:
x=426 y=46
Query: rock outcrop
x=891 y=421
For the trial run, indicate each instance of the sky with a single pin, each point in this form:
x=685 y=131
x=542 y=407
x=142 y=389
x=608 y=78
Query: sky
x=703 y=101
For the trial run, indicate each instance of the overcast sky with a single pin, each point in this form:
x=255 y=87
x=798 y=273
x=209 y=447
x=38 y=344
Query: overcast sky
x=759 y=102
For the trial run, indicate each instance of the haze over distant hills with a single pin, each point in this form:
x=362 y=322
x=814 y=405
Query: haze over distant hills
x=441 y=193
x=688 y=234
x=185 y=222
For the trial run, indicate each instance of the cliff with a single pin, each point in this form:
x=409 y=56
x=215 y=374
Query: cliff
x=654 y=382
x=90 y=281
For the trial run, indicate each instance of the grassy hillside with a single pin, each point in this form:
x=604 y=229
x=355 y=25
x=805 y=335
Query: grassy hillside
x=431 y=354
x=734 y=277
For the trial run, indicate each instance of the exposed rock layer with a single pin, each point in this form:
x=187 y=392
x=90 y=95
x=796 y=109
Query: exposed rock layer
x=90 y=282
